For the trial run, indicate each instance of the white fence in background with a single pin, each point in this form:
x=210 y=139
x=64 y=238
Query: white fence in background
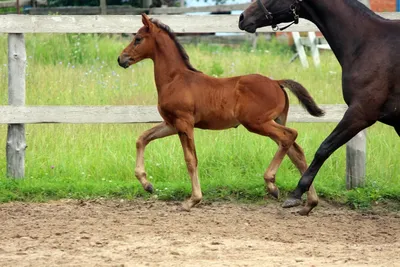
x=16 y=114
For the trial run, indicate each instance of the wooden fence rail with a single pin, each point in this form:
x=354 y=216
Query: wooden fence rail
x=130 y=24
x=129 y=10
x=21 y=3
x=128 y=114
x=17 y=114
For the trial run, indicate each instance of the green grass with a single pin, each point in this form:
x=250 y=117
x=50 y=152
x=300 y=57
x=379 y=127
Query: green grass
x=89 y=161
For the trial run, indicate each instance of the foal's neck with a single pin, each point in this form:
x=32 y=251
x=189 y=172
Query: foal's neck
x=346 y=25
x=167 y=61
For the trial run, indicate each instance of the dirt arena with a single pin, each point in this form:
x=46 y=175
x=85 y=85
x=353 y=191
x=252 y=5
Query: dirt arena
x=155 y=233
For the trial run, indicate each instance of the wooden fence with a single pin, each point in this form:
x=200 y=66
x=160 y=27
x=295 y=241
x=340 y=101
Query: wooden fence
x=21 y=3
x=129 y=10
x=16 y=114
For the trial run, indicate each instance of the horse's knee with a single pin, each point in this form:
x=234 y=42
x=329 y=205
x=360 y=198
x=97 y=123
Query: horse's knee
x=140 y=143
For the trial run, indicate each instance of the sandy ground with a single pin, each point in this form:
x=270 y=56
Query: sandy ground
x=155 y=233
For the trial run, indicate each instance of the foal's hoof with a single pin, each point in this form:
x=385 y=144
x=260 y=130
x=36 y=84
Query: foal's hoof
x=185 y=207
x=308 y=208
x=304 y=211
x=275 y=193
x=291 y=202
x=149 y=188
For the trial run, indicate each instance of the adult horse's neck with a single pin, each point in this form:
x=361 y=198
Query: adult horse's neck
x=346 y=24
x=167 y=61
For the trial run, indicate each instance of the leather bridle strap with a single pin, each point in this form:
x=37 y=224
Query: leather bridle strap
x=270 y=16
x=266 y=12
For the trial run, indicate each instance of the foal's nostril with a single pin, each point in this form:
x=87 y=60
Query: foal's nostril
x=118 y=60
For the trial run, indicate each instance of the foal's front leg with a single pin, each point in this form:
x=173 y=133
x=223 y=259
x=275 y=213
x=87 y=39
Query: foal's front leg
x=186 y=135
x=159 y=131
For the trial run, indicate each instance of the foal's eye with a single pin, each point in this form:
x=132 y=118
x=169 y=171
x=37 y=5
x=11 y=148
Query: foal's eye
x=137 y=40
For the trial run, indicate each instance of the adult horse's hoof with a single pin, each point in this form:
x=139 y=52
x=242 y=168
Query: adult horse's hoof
x=149 y=188
x=291 y=202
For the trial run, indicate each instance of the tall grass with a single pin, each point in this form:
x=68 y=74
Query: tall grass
x=85 y=161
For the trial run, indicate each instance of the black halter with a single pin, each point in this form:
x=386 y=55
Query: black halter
x=292 y=10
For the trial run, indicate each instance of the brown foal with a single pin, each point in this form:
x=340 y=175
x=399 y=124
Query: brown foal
x=187 y=98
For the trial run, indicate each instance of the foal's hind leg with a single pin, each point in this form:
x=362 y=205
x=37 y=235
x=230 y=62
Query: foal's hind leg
x=284 y=137
x=353 y=121
x=296 y=155
x=159 y=131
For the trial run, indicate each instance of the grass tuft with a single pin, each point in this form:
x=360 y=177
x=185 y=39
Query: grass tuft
x=91 y=161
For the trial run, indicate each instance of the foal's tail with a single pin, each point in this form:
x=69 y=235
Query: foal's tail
x=304 y=97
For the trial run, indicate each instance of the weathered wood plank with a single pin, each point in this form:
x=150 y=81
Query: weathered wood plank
x=128 y=10
x=127 y=114
x=182 y=10
x=88 y=10
x=356 y=160
x=21 y=3
x=130 y=24
x=16 y=145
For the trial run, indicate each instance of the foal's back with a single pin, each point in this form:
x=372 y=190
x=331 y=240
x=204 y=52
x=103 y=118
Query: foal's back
x=221 y=103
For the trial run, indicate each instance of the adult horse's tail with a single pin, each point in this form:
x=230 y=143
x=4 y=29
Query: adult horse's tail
x=304 y=97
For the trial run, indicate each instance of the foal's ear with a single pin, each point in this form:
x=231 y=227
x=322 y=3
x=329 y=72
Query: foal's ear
x=146 y=21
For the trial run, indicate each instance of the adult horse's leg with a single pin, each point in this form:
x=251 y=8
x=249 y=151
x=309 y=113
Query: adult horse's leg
x=353 y=121
x=159 y=131
x=296 y=155
x=284 y=137
x=186 y=136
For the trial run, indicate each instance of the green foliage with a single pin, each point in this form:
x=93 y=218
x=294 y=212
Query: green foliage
x=72 y=48
x=217 y=70
x=8 y=10
x=88 y=161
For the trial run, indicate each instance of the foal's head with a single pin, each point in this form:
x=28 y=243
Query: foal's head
x=141 y=47
x=261 y=13
x=152 y=37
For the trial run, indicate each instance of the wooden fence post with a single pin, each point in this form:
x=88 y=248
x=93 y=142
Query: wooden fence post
x=15 y=148
x=103 y=7
x=314 y=48
x=17 y=6
x=300 y=49
x=356 y=160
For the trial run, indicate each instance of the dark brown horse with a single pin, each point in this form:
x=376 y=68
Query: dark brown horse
x=188 y=98
x=367 y=47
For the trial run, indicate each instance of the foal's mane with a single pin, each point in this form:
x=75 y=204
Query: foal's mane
x=171 y=34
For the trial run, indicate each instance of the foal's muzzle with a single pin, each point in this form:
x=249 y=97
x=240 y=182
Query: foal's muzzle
x=123 y=61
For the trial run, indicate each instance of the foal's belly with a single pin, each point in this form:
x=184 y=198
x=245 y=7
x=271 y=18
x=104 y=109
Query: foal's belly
x=216 y=123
